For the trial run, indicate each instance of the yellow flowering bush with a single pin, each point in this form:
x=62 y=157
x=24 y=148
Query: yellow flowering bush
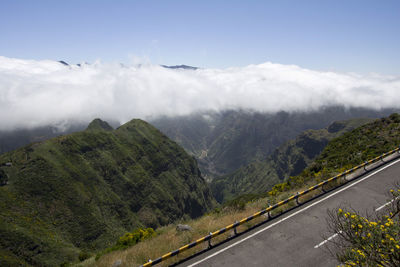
x=367 y=240
x=136 y=236
x=129 y=239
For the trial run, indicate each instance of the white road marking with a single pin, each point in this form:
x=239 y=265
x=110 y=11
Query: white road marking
x=293 y=214
x=386 y=204
x=326 y=240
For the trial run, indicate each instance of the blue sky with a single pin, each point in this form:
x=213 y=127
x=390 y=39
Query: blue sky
x=346 y=36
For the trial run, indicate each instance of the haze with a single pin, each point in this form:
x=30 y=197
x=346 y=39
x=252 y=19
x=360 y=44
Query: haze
x=39 y=93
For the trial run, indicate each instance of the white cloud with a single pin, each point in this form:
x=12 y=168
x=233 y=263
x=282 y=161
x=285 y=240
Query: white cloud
x=37 y=93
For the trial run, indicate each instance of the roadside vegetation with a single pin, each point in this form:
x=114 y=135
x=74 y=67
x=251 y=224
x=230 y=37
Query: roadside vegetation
x=168 y=238
x=371 y=240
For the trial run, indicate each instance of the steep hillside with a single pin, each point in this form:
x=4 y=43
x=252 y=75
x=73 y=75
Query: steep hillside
x=81 y=191
x=356 y=146
x=13 y=139
x=288 y=160
x=347 y=151
x=223 y=142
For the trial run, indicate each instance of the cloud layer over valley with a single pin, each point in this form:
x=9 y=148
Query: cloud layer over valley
x=38 y=93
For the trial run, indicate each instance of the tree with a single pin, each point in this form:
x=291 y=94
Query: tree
x=3 y=178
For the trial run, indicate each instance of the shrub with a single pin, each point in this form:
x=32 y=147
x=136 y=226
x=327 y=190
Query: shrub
x=83 y=256
x=395 y=117
x=367 y=241
x=3 y=178
x=130 y=239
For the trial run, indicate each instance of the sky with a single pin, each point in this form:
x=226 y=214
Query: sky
x=265 y=56
x=359 y=36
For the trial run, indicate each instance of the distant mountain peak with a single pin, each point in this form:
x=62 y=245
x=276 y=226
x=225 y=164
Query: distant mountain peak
x=82 y=64
x=336 y=126
x=185 y=67
x=99 y=125
x=63 y=62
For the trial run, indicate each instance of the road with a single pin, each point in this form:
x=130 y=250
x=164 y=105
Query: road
x=297 y=238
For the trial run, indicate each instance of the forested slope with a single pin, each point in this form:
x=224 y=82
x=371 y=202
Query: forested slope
x=80 y=192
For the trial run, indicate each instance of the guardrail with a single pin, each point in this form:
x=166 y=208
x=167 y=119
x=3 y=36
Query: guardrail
x=264 y=211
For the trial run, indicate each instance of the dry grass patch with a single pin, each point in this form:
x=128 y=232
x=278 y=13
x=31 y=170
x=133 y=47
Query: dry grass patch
x=169 y=239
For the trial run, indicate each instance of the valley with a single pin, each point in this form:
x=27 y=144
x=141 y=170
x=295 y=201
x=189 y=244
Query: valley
x=343 y=152
x=82 y=191
x=223 y=142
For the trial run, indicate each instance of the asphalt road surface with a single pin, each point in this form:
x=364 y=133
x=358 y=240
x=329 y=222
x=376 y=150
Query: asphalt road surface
x=297 y=237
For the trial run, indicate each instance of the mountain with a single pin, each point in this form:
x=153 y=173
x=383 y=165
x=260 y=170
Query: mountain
x=13 y=139
x=359 y=145
x=289 y=159
x=63 y=62
x=223 y=142
x=346 y=151
x=184 y=67
x=81 y=191
x=99 y=125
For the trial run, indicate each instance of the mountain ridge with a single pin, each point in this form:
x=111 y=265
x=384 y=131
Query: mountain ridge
x=222 y=142
x=80 y=192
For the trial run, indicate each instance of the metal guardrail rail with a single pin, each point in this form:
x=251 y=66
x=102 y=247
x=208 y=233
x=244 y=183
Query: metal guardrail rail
x=264 y=211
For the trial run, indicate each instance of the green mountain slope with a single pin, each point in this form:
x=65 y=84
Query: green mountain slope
x=288 y=160
x=359 y=145
x=348 y=150
x=222 y=142
x=13 y=139
x=81 y=191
